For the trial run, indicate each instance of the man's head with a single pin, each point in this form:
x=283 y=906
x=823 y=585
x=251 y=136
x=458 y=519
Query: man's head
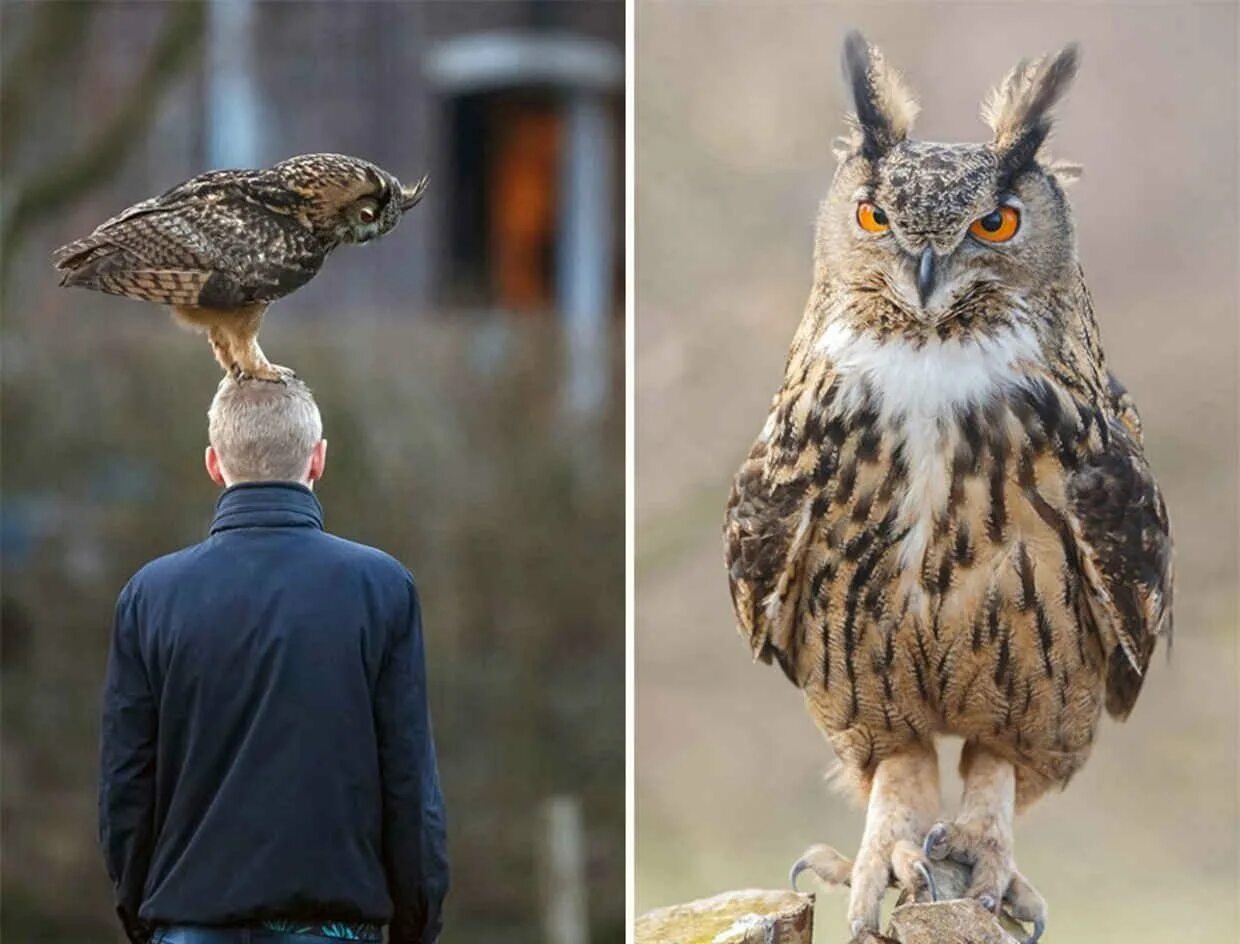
x=265 y=432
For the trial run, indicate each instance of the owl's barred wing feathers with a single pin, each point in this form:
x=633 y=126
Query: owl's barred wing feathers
x=758 y=535
x=211 y=187
x=776 y=496
x=1125 y=541
x=219 y=250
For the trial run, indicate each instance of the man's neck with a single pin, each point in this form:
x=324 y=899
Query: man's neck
x=305 y=483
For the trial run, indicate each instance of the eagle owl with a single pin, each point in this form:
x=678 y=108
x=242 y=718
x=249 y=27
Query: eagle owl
x=947 y=525
x=222 y=246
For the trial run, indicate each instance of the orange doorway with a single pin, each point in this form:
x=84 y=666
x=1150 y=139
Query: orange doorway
x=507 y=151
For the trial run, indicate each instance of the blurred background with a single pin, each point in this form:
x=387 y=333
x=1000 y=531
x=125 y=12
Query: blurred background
x=469 y=369
x=737 y=105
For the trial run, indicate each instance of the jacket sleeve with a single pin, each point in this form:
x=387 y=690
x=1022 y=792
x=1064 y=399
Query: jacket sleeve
x=127 y=769
x=414 y=840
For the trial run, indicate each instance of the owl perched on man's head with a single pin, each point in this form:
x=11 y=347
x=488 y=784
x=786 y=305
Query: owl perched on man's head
x=222 y=246
x=947 y=524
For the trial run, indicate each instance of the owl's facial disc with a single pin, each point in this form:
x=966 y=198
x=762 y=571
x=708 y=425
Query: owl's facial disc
x=931 y=222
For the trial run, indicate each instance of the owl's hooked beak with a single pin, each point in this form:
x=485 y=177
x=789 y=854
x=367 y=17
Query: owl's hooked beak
x=409 y=196
x=925 y=275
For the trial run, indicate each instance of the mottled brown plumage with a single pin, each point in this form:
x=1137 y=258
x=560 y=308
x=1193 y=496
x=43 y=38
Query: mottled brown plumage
x=947 y=524
x=222 y=246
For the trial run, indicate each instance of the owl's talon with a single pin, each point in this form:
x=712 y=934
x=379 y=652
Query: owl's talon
x=928 y=877
x=935 y=844
x=799 y=866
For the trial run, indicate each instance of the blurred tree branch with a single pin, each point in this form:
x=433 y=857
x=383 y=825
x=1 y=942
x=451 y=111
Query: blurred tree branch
x=52 y=187
x=57 y=35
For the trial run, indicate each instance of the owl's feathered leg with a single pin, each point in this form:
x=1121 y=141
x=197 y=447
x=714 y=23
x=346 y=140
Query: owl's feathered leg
x=903 y=802
x=233 y=334
x=982 y=837
x=248 y=357
x=221 y=347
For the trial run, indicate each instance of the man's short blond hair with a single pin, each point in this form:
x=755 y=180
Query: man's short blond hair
x=264 y=432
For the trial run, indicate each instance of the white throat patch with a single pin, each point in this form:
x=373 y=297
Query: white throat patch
x=917 y=390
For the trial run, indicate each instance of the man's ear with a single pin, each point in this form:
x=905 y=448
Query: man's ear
x=318 y=461
x=212 y=461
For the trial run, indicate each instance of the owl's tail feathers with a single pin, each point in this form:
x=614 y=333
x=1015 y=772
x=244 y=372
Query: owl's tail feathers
x=84 y=263
x=75 y=253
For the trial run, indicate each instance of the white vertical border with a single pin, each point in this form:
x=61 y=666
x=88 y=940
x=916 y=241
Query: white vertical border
x=630 y=482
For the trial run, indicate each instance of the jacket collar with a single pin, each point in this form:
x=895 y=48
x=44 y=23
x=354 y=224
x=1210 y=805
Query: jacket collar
x=267 y=505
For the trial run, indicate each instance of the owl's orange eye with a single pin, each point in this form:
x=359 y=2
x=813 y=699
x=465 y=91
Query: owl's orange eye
x=871 y=219
x=997 y=226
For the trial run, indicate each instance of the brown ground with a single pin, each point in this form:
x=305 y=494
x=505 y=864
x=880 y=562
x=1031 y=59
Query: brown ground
x=737 y=105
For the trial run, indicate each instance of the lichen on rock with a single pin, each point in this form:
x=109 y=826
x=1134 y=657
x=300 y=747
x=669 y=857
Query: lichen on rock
x=752 y=916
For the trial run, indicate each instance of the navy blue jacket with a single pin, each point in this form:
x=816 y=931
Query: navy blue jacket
x=267 y=748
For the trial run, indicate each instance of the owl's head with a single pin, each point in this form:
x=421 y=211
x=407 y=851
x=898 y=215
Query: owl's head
x=930 y=232
x=347 y=199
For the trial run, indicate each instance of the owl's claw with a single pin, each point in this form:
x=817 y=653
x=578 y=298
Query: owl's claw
x=935 y=843
x=928 y=878
x=1038 y=927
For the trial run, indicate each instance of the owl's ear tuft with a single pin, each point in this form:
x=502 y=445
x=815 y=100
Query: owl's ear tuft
x=1019 y=109
x=883 y=106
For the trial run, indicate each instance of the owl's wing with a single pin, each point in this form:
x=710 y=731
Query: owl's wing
x=1122 y=531
x=768 y=517
x=204 y=243
x=209 y=187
